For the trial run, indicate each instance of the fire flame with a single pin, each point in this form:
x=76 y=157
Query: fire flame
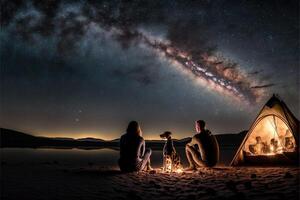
x=170 y=167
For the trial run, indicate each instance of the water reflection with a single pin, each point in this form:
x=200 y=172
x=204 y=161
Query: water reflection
x=80 y=157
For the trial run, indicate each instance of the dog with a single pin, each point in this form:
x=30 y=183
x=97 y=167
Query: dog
x=171 y=158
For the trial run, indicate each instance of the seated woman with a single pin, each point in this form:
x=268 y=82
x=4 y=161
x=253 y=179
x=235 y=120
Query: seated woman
x=133 y=156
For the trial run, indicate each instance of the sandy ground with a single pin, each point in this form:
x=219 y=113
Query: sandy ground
x=52 y=180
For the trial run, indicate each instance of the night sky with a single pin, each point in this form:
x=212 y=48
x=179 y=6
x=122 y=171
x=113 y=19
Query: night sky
x=85 y=69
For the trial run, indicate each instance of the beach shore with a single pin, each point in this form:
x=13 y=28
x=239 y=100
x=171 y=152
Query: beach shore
x=51 y=180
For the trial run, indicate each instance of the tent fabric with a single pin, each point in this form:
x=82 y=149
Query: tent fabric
x=274 y=127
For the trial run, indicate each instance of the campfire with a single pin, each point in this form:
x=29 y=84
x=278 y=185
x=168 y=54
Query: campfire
x=170 y=167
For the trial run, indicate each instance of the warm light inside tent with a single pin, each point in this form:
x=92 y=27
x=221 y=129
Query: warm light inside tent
x=270 y=136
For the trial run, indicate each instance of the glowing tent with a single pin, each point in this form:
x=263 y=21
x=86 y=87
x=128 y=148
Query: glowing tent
x=272 y=139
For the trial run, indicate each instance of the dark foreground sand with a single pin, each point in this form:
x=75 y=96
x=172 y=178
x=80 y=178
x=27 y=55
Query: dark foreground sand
x=51 y=180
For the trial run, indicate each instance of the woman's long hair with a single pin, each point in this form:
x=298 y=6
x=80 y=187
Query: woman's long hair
x=134 y=129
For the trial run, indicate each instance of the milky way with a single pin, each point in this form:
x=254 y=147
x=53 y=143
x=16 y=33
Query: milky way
x=71 y=22
x=74 y=68
x=213 y=72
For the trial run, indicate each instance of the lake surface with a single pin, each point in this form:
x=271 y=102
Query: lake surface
x=82 y=157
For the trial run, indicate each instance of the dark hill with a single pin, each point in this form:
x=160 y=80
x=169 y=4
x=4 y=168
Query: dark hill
x=231 y=139
x=11 y=138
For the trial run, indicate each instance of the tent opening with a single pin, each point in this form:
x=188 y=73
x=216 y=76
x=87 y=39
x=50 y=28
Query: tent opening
x=271 y=136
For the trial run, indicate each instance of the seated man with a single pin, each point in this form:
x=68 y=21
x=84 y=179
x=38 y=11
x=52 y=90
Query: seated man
x=207 y=153
x=259 y=147
x=273 y=145
x=289 y=145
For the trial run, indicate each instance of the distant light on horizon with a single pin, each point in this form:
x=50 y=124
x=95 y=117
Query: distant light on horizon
x=104 y=136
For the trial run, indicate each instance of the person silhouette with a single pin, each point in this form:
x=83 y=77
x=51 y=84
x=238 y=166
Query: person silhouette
x=133 y=155
x=203 y=150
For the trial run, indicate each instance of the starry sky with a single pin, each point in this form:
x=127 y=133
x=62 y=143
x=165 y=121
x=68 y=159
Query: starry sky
x=87 y=68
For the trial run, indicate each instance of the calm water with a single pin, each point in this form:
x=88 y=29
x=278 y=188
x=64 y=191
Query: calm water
x=82 y=157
